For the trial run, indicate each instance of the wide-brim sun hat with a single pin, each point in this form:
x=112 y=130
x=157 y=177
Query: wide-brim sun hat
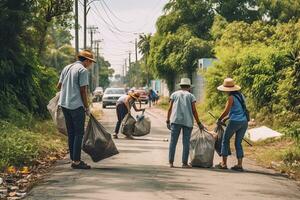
x=185 y=81
x=135 y=95
x=228 y=86
x=87 y=54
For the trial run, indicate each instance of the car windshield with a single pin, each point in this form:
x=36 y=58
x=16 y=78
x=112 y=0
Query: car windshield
x=114 y=91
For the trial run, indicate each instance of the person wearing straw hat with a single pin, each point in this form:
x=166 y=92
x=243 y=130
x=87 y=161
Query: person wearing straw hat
x=124 y=105
x=238 y=123
x=181 y=111
x=73 y=83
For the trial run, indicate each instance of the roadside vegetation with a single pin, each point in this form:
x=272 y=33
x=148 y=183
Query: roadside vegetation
x=259 y=48
x=36 y=44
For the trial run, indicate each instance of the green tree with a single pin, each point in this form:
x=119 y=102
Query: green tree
x=237 y=10
x=48 y=13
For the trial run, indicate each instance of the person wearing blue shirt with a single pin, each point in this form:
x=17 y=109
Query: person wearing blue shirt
x=238 y=123
x=181 y=114
x=73 y=83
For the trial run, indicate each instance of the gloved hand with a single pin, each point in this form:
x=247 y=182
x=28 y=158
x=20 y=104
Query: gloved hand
x=168 y=124
x=201 y=126
x=87 y=111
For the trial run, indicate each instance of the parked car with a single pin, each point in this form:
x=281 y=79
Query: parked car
x=97 y=94
x=143 y=95
x=111 y=95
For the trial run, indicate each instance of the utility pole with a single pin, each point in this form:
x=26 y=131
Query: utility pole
x=136 y=56
x=97 y=66
x=92 y=31
x=84 y=22
x=76 y=28
x=129 y=59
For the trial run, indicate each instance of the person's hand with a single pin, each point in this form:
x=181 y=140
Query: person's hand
x=221 y=122
x=168 y=124
x=87 y=111
x=201 y=126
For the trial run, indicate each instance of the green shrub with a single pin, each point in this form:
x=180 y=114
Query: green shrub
x=22 y=146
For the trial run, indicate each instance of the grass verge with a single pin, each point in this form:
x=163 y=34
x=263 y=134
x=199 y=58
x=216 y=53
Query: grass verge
x=23 y=146
x=281 y=154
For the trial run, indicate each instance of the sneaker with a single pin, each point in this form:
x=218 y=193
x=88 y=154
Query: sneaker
x=186 y=166
x=81 y=165
x=237 y=168
x=115 y=136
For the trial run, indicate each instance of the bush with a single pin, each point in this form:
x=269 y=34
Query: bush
x=23 y=146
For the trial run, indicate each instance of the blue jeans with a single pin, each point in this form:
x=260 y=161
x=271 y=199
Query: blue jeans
x=121 y=113
x=175 y=132
x=75 y=126
x=239 y=128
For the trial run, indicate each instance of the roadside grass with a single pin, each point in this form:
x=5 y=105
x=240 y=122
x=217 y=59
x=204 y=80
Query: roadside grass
x=163 y=103
x=23 y=146
x=281 y=154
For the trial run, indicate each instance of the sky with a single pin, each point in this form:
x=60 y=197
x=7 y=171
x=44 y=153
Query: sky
x=119 y=23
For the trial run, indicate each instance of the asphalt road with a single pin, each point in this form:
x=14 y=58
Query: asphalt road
x=141 y=172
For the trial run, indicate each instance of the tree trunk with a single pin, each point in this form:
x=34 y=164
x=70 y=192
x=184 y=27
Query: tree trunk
x=42 y=40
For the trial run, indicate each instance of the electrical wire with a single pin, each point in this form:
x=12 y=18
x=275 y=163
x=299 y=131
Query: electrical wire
x=113 y=14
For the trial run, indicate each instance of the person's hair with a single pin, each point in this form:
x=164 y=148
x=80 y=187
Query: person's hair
x=185 y=86
x=81 y=59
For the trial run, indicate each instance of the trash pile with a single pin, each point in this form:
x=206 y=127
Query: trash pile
x=140 y=126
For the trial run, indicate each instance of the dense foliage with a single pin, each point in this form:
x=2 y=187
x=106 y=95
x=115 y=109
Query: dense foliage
x=256 y=42
x=26 y=83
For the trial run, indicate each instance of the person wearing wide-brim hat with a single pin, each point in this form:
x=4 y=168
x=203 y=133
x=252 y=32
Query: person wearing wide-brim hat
x=123 y=107
x=235 y=111
x=73 y=83
x=181 y=112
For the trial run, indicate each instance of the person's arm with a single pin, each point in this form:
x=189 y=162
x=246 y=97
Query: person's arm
x=170 y=111
x=127 y=103
x=138 y=109
x=83 y=93
x=195 y=113
x=228 y=106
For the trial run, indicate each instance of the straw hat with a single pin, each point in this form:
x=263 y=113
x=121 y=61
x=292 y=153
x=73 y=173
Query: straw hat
x=86 y=54
x=185 y=81
x=228 y=86
x=135 y=95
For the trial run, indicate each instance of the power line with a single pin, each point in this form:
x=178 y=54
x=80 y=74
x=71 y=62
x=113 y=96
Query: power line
x=113 y=14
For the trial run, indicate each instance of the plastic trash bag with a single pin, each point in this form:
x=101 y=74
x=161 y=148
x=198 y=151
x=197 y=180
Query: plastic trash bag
x=142 y=126
x=219 y=130
x=57 y=114
x=128 y=125
x=202 y=148
x=97 y=141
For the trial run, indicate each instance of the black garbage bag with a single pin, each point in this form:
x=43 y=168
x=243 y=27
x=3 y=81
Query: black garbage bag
x=97 y=141
x=128 y=125
x=219 y=130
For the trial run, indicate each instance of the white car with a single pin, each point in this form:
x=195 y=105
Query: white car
x=111 y=95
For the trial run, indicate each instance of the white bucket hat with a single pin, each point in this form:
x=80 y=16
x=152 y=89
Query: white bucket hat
x=185 y=81
x=228 y=86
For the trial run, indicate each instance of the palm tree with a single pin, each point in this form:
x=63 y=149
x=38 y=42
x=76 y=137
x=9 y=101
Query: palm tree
x=144 y=49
